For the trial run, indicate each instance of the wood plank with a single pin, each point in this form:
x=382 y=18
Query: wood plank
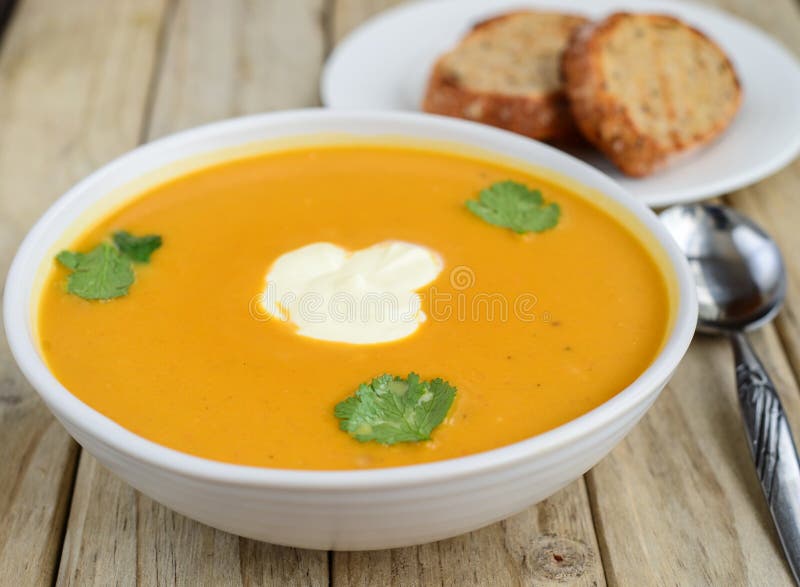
x=240 y=58
x=551 y=543
x=773 y=204
x=219 y=60
x=100 y=542
x=63 y=110
x=348 y=14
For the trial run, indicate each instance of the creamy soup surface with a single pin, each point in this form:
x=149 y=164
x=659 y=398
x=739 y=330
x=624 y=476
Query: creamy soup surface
x=533 y=330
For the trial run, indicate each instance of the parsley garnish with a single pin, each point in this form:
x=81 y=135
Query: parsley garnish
x=136 y=248
x=391 y=409
x=515 y=206
x=106 y=271
x=101 y=274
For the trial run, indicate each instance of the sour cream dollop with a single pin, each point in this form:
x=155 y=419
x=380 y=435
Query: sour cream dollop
x=360 y=297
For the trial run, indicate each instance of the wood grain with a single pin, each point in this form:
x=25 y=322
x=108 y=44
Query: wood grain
x=237 y=62
x=347 y=14
x=65 y=107
x=251 y=57
x=101 y=535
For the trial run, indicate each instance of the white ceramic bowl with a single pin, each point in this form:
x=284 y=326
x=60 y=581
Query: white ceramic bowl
x=341 y=509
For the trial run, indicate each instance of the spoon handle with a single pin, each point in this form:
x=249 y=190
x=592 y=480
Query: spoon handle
x=772 y=447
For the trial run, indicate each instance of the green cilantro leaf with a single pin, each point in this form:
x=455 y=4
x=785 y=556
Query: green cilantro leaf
x=106 y=271
x=136 y=248
x=101 y=274
x=515 y=206
x=69 y=259
x=391 y=409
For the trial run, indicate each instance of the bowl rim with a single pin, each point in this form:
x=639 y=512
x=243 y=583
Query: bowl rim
x=67 y=407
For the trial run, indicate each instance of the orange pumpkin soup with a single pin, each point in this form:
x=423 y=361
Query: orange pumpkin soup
x=532 y=329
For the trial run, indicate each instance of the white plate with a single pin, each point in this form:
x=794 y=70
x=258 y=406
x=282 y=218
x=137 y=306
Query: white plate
x=384 y=65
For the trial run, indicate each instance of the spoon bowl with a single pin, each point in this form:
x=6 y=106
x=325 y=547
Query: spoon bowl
x=738 y=268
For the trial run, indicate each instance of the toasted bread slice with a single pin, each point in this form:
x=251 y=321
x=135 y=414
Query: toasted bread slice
x=505 y=72
x=645 y=87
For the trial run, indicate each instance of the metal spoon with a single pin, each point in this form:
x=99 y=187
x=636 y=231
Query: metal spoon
x=741 y=285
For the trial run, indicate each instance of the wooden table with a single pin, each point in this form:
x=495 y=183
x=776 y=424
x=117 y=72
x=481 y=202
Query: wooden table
x=677 y=503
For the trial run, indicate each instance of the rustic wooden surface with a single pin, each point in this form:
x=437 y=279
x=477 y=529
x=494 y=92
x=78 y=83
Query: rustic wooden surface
x=677 y=503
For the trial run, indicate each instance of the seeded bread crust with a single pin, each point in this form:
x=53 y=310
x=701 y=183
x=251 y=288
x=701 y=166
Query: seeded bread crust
x=675 y=89
x=541 y=113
